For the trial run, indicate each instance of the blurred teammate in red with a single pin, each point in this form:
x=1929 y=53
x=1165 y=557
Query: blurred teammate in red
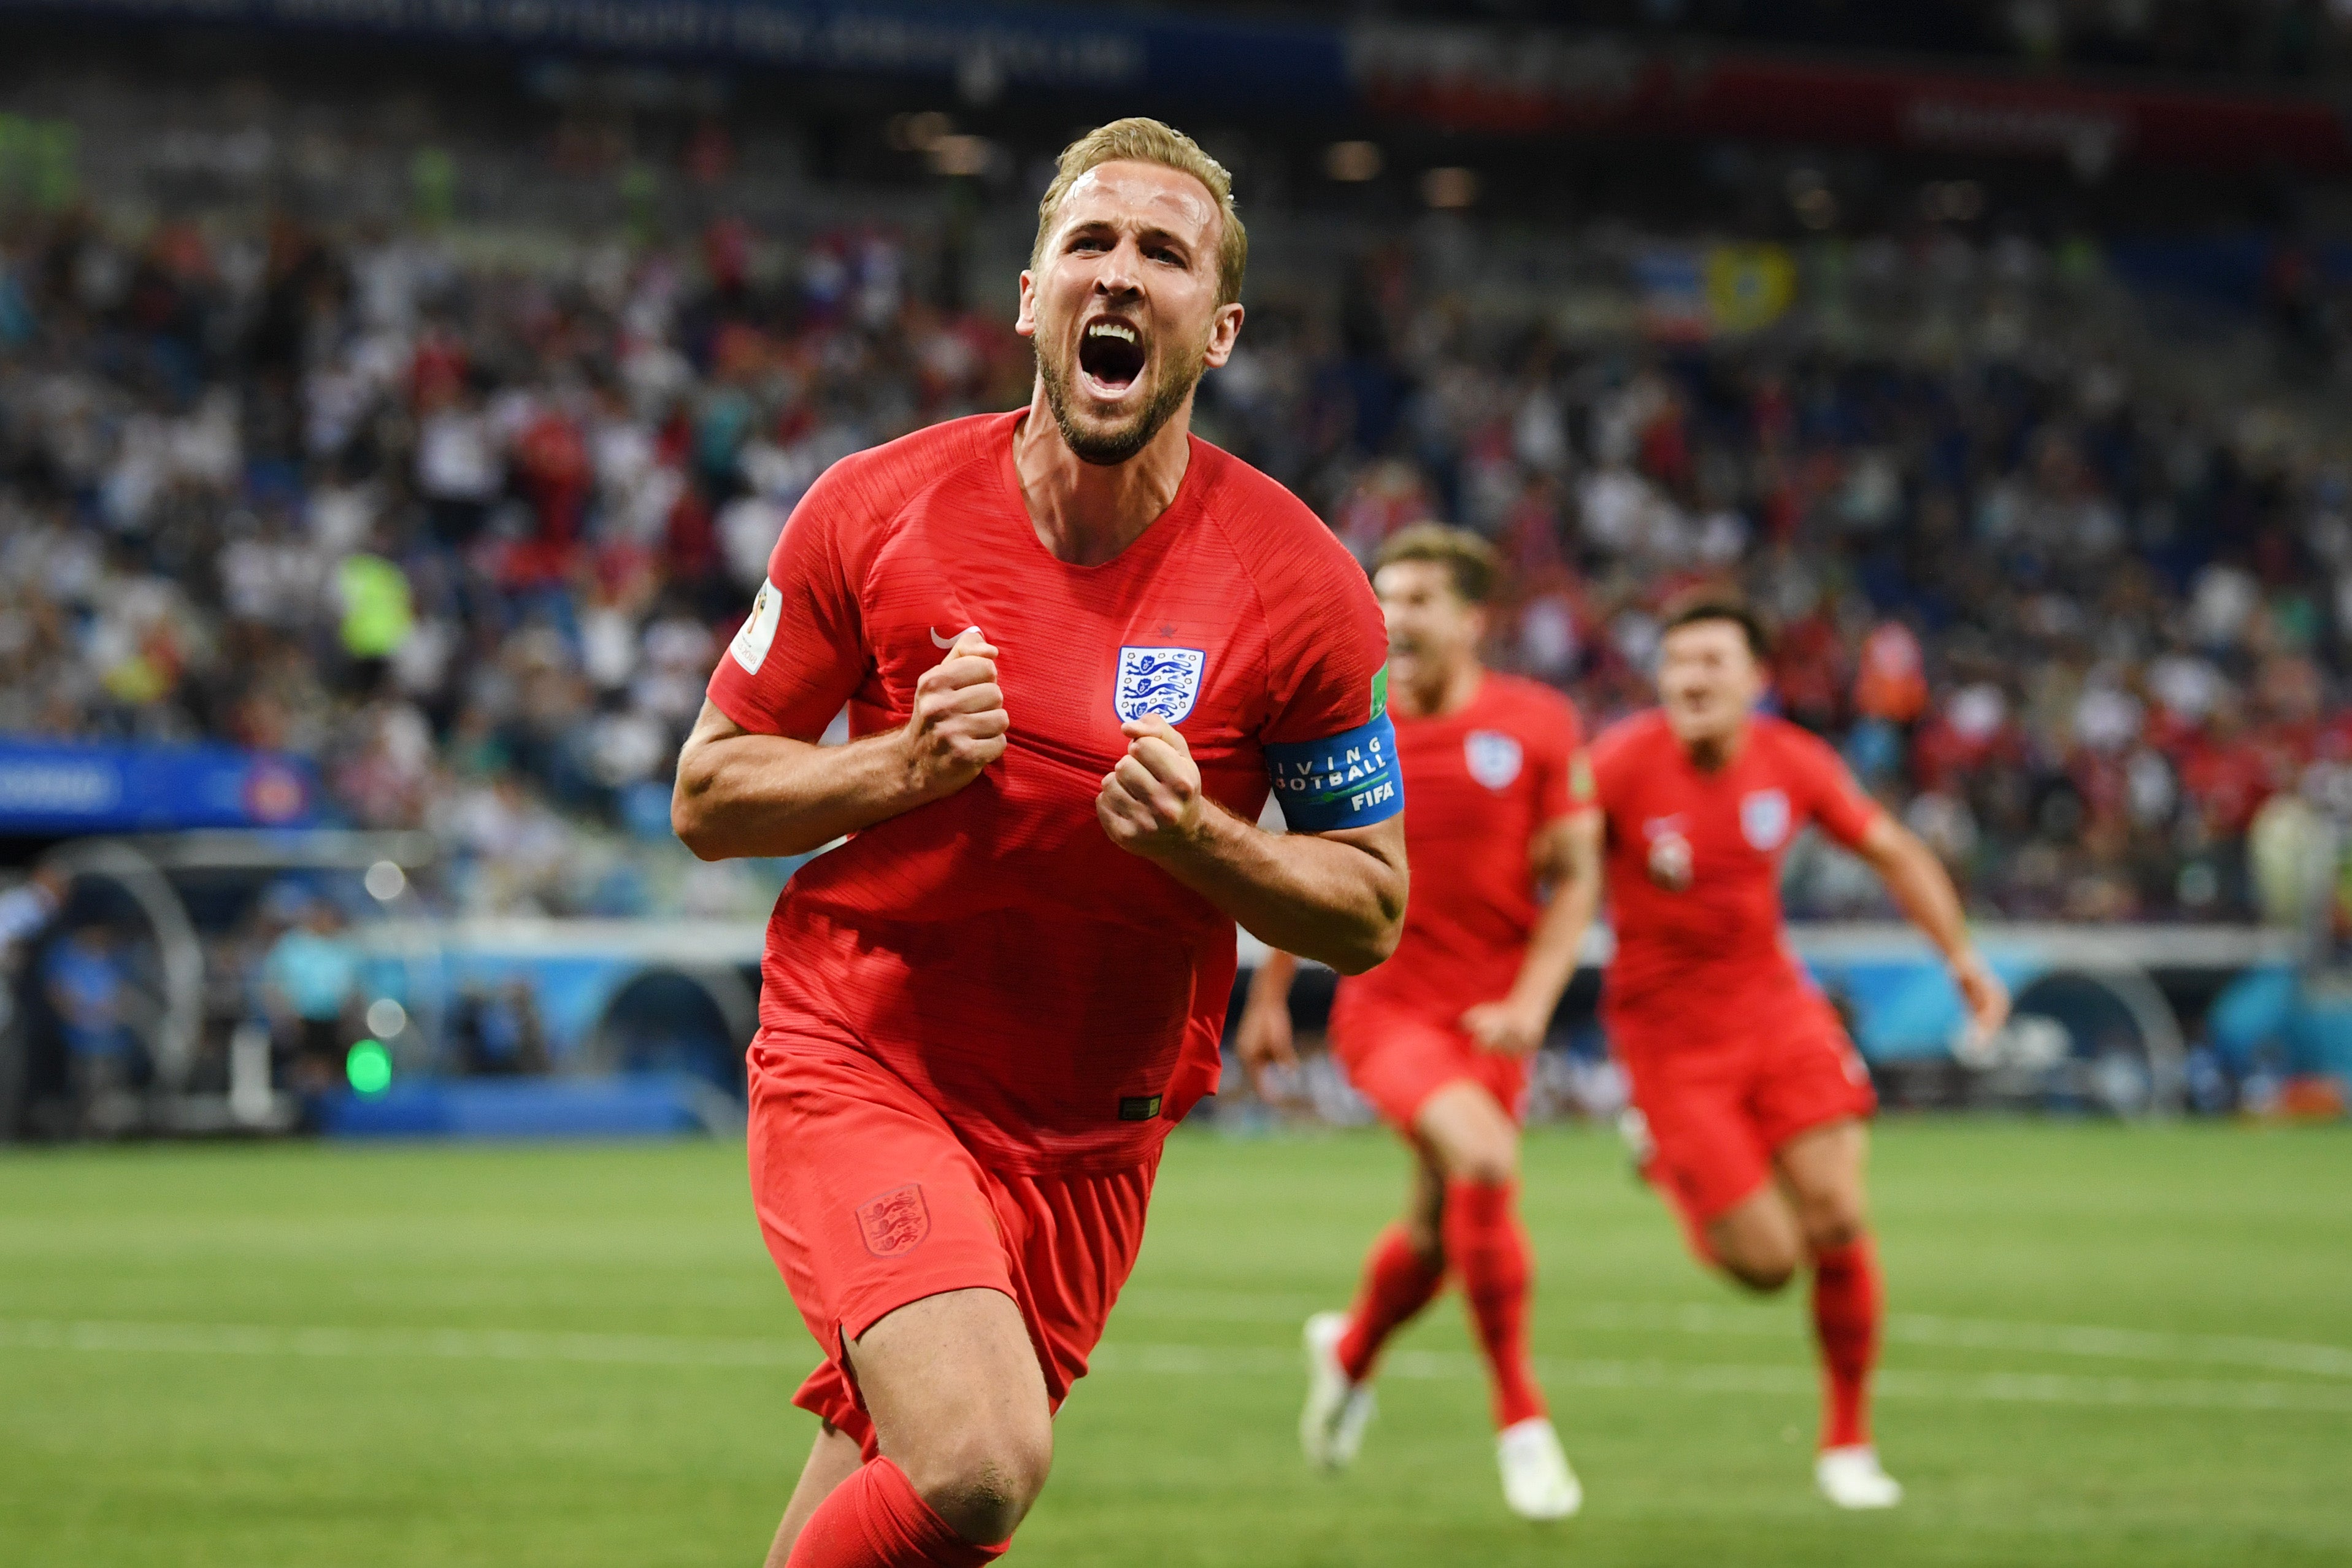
x=1438 y=1037
x=1077 y=647
x=1750 y=1098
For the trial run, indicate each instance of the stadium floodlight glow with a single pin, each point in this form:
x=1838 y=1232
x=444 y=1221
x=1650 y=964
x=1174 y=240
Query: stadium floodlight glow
x=1958 y=200
x=1450 y=189
x=1352 y=162
x=384 y=881
x=917 y=133
x=369 y=1066
x=962 y=154
x=386 y=1017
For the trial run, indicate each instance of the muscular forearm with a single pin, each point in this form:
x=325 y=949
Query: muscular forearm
x=1337 y=900
x=740 y=792
x=770 y=795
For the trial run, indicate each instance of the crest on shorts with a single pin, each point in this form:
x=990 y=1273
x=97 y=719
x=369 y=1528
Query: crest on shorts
x=1493 y=757
x=894 y=1222
x=1764 y=819
x=1158 y=683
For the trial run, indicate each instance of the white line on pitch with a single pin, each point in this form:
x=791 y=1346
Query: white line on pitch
x=2031 y=1389
x=1189 y=1361
x=1905 y=1328
x=455 y=1344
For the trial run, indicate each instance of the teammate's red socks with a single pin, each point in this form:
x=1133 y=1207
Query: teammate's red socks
x=1397 y=1283
x=875 y=1519
x=1847 y=1304
x=1487 y=1247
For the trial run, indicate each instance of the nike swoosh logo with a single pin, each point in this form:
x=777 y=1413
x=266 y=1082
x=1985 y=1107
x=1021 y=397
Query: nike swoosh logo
x=938 y=641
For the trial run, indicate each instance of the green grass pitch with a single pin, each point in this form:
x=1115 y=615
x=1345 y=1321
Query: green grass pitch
x=2108 y=1345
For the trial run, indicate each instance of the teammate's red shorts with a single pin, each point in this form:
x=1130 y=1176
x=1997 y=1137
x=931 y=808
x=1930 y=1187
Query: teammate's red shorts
x=1721 y=1090
x=1397 y=1059
x=868 y=1201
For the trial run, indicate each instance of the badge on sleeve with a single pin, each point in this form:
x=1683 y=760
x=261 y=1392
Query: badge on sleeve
x=1493 y=757
x=1158 y=682
x=1764 y=819
x=1581 y=788
x=759 y=633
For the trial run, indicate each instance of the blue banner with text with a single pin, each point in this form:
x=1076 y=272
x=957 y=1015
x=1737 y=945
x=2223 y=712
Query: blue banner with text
x=51 y=788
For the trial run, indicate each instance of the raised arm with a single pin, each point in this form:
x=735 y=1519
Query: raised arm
x=740 y=792
x=1567 y=856
x=1925 y=894
x=1336 y=897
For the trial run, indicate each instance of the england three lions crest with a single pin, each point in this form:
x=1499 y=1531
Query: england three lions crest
x=1764 y=819
x=1158 y=683
x=1493 y=758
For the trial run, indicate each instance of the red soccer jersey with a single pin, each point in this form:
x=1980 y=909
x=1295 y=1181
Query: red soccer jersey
x=1482 y=782
x=1694 y=859
x=1058 y=999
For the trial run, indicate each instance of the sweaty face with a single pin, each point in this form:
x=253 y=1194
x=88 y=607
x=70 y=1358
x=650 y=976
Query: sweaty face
x=1122 y=306
x=1707 y=681
x=1431 y=628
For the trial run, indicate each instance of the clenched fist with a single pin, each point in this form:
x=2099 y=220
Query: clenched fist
x=958 y=723
x=1151 y=802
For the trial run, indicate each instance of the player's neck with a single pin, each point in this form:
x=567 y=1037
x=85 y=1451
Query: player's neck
x=1085 y=513
x=1713 y=753
x=1446 y=692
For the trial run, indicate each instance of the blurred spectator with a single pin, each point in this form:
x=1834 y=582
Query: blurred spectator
x=27 y=909
x=82 y=974
x=310 y=986
x=496 y=1030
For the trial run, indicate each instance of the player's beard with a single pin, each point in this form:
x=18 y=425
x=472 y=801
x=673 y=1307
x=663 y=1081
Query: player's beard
x=1107 y=449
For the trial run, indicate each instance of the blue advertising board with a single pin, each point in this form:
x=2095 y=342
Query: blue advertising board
x=52 y=788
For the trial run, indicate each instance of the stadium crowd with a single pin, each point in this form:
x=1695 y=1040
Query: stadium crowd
x=2288 y=39
x=471 y=535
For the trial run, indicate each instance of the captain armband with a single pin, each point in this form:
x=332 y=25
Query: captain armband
x=1348 y=781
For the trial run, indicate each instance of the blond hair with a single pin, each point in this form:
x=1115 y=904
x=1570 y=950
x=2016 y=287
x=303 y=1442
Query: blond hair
x=1138 y=139
x=1468 y=559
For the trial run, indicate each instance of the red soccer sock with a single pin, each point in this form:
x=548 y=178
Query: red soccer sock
x=1487 y=1248
x=875 y=1519
x=1847 y=1306
x=1397 y=1283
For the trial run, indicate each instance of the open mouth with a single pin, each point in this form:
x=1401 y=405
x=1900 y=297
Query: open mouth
x=1110 y=357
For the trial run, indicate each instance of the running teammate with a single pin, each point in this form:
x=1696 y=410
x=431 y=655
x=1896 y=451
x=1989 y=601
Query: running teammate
x=1750 y=1099
x=1438 y=1037
x=1075 y=644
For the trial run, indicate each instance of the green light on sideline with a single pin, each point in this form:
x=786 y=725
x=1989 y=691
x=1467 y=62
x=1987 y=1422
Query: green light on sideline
x=369 y=1066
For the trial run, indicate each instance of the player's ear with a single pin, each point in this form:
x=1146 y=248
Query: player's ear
x=1224 y=331
x=1025 y=321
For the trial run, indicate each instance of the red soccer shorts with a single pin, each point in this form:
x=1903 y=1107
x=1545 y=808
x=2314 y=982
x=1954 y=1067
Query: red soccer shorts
x=867 y=1201
x=1720 y=1093
x=1397 y=1059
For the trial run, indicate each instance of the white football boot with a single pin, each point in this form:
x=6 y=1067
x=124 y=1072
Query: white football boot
x=1331 y=1426
x=1537 y=1481
x=1853 y=1477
